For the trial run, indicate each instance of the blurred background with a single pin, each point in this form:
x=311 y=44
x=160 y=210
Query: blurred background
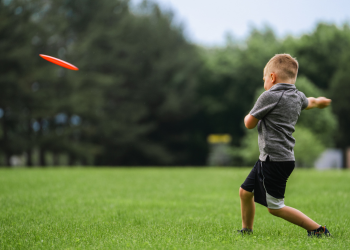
x=165 y=83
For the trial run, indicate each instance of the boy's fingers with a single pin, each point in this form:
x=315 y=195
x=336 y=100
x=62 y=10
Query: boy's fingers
x=325 y=102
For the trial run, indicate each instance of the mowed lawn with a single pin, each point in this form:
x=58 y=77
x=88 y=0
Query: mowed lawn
x=161 y=208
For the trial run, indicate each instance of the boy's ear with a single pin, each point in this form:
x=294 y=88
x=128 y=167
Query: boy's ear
x=273 y=78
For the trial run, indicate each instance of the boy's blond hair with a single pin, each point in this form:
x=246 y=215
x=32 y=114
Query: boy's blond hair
x=284 y=65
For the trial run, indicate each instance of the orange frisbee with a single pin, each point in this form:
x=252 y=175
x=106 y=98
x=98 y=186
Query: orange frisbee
x=59 y=62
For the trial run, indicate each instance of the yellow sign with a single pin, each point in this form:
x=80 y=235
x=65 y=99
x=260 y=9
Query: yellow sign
x=219 y=138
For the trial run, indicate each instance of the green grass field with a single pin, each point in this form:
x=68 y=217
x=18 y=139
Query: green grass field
x=161 y=208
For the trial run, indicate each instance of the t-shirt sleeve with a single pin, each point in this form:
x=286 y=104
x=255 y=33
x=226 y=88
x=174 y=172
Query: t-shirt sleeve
x=264 y=104
x=304 y=101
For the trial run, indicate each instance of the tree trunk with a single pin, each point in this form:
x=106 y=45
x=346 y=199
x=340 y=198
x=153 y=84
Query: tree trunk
x=5 y=140
x=42 y=160
x=29 y=150
x=29 y=157
x=42 y=151
x=56 y=158
x=84 y=161
x=346 y=157
x=71 y=160
x=8 y=159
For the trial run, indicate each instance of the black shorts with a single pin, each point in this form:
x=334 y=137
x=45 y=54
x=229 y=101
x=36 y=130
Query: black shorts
x=267 y=181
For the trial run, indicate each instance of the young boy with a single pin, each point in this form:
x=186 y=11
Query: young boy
x=276 y=112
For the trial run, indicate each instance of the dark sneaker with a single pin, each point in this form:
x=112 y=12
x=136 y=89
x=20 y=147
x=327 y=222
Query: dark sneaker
x=244 y=231
x=319 y=232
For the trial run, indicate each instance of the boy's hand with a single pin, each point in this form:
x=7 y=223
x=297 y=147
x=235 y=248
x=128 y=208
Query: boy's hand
x=320 y=102
x=323 y=102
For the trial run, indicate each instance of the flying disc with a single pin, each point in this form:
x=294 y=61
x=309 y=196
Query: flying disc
x=59 y=62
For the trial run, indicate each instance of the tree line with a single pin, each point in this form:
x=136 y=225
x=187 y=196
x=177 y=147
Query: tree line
x=144 y=94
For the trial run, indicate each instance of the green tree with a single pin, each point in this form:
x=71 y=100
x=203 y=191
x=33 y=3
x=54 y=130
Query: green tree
x=308 y=146
x=321 y=122
x=144 y=95
x=131 y=103
x=228 y=82
x=139 y=79
x=318 y=53
x=340 y=94
x=18 y=73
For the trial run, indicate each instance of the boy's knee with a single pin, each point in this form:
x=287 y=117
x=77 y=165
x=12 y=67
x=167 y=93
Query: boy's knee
x=243 y=194
x=274 y=212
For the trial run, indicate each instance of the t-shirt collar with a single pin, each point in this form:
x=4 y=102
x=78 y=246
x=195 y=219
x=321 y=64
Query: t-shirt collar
x=283 y=86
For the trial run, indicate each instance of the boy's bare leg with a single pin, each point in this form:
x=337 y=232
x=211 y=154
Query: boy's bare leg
x=247 y=208
x=296 y=217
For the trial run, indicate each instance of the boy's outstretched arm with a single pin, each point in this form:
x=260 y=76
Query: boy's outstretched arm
x=320 y=102
x=250 y=121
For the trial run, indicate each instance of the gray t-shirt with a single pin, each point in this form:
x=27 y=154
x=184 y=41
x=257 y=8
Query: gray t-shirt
x=278 y=110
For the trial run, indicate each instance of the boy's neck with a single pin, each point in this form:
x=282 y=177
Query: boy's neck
x=281 y=83
x=284 y=82
x=289 y=81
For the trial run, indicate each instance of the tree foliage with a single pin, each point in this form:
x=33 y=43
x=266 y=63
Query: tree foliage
x=129 y=103
x=145 y=95
x=340 y=93
x=318 y=53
